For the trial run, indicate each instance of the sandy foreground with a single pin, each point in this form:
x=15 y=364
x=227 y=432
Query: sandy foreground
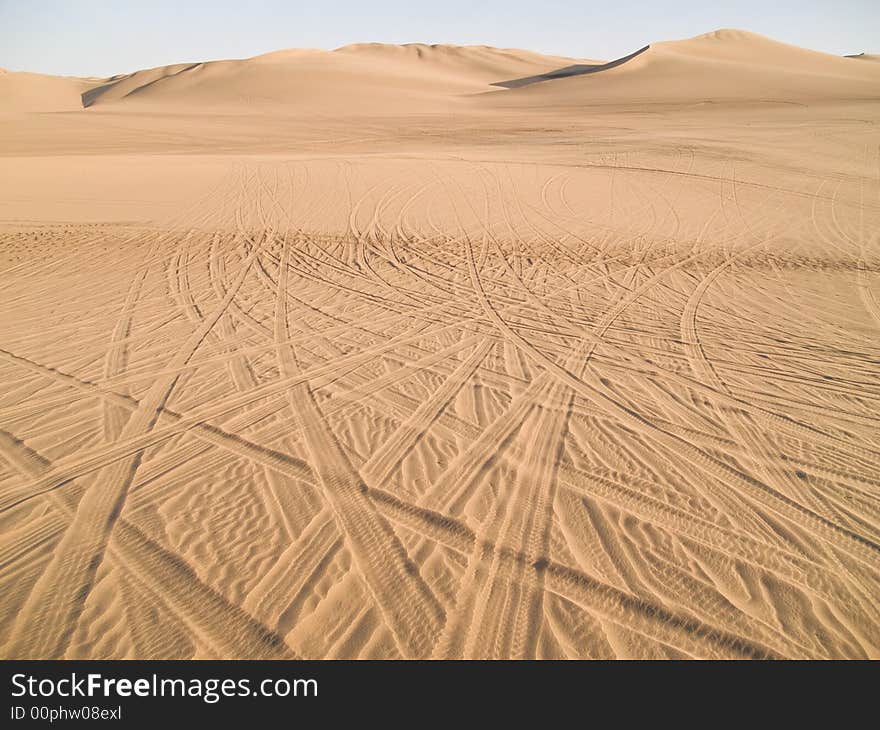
x=407 y=352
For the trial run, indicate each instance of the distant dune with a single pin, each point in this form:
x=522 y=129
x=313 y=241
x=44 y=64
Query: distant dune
x=363 y=77
x=375 y=78
x=722 y=65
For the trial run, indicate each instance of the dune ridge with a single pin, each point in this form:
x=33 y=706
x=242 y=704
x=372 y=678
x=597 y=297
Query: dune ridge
x=721 y=65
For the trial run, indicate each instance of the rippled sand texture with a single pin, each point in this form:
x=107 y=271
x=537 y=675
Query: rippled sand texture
x=584 y=368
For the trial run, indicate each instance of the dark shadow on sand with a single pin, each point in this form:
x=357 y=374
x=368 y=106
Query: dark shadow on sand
x=576 y=70
x=92 y=95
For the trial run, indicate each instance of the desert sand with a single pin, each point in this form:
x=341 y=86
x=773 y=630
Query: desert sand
x=443 y=352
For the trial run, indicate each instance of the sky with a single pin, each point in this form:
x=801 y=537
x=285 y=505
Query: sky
x=102 y=37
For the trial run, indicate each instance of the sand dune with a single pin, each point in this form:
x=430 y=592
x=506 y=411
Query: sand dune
x=352 y=354
x=373 y=78
x=723 y=65
x=354 y=79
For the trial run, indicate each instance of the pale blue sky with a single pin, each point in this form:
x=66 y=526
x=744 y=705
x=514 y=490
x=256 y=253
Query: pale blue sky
x=100 y=37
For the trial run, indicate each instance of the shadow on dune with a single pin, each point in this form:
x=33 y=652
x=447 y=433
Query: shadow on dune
x=578 y=69
x=92 y=95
